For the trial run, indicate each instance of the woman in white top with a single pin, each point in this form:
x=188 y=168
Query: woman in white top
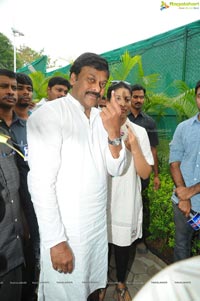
x=124 y=192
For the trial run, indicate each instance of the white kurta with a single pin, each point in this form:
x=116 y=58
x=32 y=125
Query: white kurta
x=177 y=282
x=69 y=162
x=125 y=212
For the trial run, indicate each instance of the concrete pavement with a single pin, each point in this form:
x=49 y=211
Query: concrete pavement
x=141 y=268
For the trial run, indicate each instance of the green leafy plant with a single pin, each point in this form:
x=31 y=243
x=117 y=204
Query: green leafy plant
x=122 y=70
x=161 y=225
x=196 y=244
x=40 y=83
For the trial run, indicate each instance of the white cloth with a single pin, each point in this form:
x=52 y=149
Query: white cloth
x=39 y=104
x=176 y=282
x=124 y=195
x=69 y=161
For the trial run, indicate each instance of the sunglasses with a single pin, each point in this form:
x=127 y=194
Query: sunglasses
x=115 y=82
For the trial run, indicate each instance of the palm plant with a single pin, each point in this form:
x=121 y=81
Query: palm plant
x=40 y=83
x=123 y=71
x=183 y=102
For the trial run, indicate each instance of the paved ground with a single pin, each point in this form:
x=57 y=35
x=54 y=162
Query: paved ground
x=141 y=268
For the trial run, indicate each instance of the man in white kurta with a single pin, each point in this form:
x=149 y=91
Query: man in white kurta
x=70 y=160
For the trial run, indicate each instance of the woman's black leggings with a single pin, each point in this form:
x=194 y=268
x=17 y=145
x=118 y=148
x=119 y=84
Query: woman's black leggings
x=121 y=259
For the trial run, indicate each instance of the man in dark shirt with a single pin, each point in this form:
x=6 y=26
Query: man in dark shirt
x=25 y=95
x=147 y=122
x=140 y=118
x=16 y=129
x=11 y=228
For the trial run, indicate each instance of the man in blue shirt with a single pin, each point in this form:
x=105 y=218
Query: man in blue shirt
x=184 y=162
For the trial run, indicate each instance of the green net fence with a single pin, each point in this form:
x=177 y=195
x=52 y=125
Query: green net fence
x=174 y=55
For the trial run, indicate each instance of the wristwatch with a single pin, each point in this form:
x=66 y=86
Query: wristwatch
x=115 y=142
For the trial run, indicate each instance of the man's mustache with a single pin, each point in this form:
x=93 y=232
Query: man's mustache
x=94 y=93
x=9 y=98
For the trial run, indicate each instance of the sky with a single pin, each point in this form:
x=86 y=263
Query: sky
x=65 y=29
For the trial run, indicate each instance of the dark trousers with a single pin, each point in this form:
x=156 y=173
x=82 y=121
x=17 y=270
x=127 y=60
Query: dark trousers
x=94 y=296
x=183 y=235
x=121 y=260
x=11 y=285
x=30 y=273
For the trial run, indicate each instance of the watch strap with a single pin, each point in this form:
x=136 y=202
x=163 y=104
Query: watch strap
x=116 y=141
